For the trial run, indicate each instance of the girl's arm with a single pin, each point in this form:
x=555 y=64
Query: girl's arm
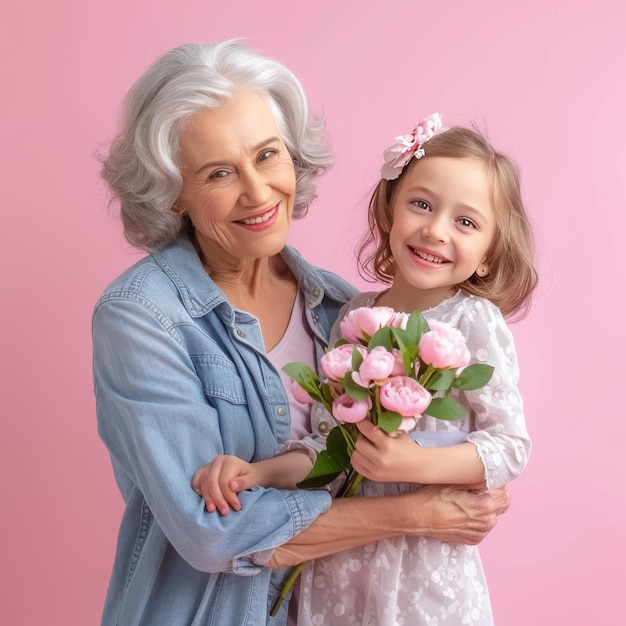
x=219 y=482
x=383 y=458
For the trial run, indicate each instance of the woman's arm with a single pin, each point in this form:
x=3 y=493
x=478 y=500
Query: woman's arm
x=449 y=513
x=159 y=424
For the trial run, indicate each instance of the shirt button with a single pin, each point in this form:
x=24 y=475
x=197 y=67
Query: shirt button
x=281 y=410
x=241 y=333
x=323 y=427
x=316 y=318
x=316 y=291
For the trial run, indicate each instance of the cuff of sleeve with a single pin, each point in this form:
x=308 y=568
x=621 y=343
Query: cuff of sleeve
x=312 y=445
x=304 y=507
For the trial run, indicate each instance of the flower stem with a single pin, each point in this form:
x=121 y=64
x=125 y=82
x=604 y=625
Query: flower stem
x=347 y=489
x=350 y=485
x=287 y=585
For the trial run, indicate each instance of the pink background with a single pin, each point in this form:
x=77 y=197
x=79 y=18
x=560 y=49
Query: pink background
x=544 y=78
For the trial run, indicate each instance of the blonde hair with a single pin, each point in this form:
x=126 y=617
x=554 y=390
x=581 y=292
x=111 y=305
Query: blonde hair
x=512 y=276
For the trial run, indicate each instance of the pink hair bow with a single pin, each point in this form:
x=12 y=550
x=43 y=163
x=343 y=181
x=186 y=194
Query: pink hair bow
x=404 y=147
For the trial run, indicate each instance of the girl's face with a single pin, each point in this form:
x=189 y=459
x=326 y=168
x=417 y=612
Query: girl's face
x=443 y=225
x=239 y=181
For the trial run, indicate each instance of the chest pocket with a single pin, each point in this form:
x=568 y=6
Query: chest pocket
x=220 y=379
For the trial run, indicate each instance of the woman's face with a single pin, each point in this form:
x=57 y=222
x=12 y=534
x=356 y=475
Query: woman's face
x=239 y=181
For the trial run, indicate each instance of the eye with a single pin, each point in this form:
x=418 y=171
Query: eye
x=466 y=222
x=218 y=174
x=421 y=204
x=267 y=154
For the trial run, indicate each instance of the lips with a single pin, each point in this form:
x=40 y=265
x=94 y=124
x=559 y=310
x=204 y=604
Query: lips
x=427 y=256
x=260 y=219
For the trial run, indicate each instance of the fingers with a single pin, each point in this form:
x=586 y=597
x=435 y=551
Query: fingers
x=367 y=429
x=215 y=482
x=502 y=500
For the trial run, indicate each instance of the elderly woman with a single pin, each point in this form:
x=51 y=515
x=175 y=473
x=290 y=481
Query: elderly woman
x=216 y=154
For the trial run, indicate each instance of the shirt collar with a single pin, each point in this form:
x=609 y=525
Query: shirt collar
x=200 y=294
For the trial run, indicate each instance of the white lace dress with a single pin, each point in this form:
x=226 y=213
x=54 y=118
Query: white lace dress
x=416 y=580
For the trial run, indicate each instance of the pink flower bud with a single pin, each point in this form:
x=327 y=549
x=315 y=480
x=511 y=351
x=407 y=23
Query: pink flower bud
x=377 y=365
x=300 y=394
x=347 y=409
x=443 y=347
x=360 y=324
x=405 y=396
x=336 y=362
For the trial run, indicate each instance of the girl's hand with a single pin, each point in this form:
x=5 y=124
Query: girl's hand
x=385 y=458
x=220 y=481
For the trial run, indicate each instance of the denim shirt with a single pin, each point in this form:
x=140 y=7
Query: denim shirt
x=181 y=376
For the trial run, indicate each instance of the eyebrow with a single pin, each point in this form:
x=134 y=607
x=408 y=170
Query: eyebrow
x=255 y=148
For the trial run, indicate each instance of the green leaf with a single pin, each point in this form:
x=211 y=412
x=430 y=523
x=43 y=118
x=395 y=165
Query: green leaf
x=441 y=380
x=325 y=470
x=416 y=326
x=474 y=376
x=445 y=409
x=327 y=397
x=297 y=370
x=353 y=390
x=357 y=358
x=402 y=337
x=409 y=357
x=382 y=337
x=389 y=421
x=307 y=379
x=337 y=445
x=329 y=463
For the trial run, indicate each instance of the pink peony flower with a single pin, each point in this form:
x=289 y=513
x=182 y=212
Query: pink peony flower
x=443 y=347
x=377 y=365
x=405 y=396
x=360 y=324
x=336 y=362
x=300 y=394
x=347 y=409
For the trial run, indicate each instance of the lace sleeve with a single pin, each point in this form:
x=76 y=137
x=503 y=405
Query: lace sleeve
x=496 y=410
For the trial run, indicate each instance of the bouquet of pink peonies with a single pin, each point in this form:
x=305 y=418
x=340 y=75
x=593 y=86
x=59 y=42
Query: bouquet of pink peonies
x=390 y=368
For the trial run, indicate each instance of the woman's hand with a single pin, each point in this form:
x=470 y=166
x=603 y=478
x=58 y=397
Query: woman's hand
x=455 y=514
x=460 y=513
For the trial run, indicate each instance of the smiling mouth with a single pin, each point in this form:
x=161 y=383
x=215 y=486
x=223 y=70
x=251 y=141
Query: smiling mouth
x=260 y=219
x=428 y=257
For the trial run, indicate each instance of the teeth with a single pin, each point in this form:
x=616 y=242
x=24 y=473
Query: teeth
x=261 y=219
x=428 y=257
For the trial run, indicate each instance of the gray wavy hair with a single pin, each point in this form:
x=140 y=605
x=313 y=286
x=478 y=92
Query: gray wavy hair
x=142 y=170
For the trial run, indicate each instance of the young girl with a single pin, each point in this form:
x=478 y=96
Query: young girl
x=451 y=238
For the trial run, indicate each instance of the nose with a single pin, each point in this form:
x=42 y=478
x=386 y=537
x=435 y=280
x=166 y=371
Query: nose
x=255 y=189
x=436 y=230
